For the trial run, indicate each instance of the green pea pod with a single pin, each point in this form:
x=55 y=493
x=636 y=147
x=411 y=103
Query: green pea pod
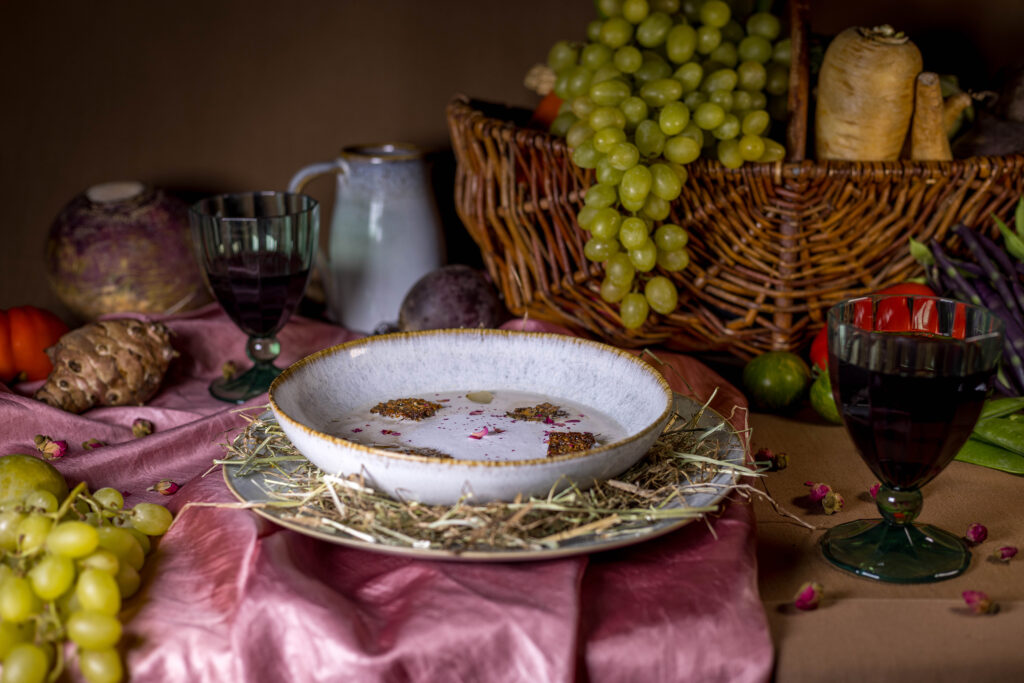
x=986 y=455
x=1019 y=218
x=1001 y=432
x=1001 y=407
x=1014 y=244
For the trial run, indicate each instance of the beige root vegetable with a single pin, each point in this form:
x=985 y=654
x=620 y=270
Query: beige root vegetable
x=928 y=139
x=107 y=363
x=866 y=95
x=954 y=106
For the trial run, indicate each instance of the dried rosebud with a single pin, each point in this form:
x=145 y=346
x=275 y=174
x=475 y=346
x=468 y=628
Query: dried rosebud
x=979 y=603
x=774 y=461
x=50 y=448
x=873 y=491
x=976 y=533
x=92 y=444
x=808 y=597
x=141 y=428
x=164 y=487
x=229 y=369
x=818 y=491
x=1004 y=554
x=832 y=502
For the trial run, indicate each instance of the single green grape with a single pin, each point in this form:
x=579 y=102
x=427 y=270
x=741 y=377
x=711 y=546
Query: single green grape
x=101 y=559
x=708 y=38
x=694 y=131
x=41 y=500
x=664 y=182
x=9 y=522
x=586 y=156
x=777 y=82
x=681 y=43
x=729 y=129
x=751 y=75
x=741 y=100
x=694 y=99
x=578 y=81
x=723 y=98
x=661 y=294
x=644 y=257
x=665 y=6
x=605 y=72
x=594 y=55
x=561 y=123
x=633 y=233
x=682 y=149
x=93 y=630
x=635 y=11
x=619 y=269
x=600 y=195
x=599 y=250
x=606 y=138
x=660 y=92
x=715 y=13
x=670 y=237
x=726 y=55
x=142 y=538
x=652 y=31
x=97 y=591
x=690 y=75
x=782 y=52
x=25 y=663
x=691 y=9
x=635 y=110
x=628 y=59
x=32 y=532
x=593 y=31
x=605 y=117
x=11 y=634
x=656 y=208
x=18 y=602
x=612 y=291
x=751 y=147
x=609 y=93
x=653 y=69
x=649 y=139
x=773 y=151
x=585 y=216
x=101 y=666
x=729 y=153
x=562 y=55
x=633 y=310
x=608 y=8
x=722 y=79
x=606 y=174
x=673 y=118
x=151 y=519
x=578 y=133
x=51 y=576
x=624 y=156
x=709 y=116
x=758 y=100
x=733 y=32
x=764 y=24
x=673 y=261
x=122 y=544
x=616 y=32
x=635 y=185
x=606 y=223
x=581 y=106
x=128 y=580
x=755 y=49
x=72 y=539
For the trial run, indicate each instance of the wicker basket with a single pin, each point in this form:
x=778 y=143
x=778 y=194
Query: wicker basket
x=772 y=245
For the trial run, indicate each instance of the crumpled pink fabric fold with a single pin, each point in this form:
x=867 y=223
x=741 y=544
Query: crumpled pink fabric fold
x=229 y=596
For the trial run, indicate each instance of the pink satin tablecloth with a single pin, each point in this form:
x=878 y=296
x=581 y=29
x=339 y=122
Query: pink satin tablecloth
x=228 y=596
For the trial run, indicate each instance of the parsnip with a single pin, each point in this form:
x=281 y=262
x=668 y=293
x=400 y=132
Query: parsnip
x=866 y=95
x=928 y=139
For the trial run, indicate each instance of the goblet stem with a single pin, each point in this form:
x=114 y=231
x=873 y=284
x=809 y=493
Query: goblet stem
x=899 y=508
x=256 y=380
x=263 y=350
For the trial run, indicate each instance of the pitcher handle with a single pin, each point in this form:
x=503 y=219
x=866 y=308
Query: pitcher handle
x=307 y=174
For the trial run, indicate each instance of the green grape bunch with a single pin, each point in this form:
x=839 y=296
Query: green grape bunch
x=65 y=567
x=657 y=85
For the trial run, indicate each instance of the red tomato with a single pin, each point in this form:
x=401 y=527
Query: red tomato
x=819 y=349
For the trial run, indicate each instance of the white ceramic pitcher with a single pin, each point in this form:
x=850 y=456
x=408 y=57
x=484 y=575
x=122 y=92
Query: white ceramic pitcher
x=385 y=232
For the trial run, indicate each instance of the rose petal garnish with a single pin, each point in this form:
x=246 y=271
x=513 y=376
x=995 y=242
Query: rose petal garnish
x=873 y=491
x=141 y=427
x=92 y=444
x=480 y=433
x=979 y=602
x=164 y=487
x=976 y=533
x=808 y=597
x=818 y=491
x=50 y=448
x=832 y=502
x=1004 y=554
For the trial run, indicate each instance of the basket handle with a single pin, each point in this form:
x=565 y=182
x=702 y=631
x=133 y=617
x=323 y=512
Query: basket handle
x=799 y=80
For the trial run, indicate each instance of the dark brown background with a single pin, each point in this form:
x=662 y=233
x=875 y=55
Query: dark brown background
x=221 y=95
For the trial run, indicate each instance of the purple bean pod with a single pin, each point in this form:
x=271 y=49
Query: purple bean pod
x=984 y=253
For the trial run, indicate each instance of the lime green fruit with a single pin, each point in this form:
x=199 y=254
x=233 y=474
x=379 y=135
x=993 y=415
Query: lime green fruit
x=21 y=474
x=822 y=400
x=776 y=380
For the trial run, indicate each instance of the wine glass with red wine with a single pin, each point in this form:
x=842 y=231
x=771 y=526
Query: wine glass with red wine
x=909 y=375
x=256 y=249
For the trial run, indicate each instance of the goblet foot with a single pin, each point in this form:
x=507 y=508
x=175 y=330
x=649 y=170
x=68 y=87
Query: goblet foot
x=898 y=553
x=253 y=382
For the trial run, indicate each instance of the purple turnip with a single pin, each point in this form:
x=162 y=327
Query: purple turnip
x=451 y=297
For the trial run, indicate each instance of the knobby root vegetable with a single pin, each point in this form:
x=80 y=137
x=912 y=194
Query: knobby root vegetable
x=928 y=139
x=866 y=95
x=107 y=363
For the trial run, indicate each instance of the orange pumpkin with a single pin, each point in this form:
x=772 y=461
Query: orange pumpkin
x=25 y=334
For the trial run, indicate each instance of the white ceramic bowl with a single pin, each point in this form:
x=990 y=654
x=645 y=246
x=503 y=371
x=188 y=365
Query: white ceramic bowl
x=311 y=395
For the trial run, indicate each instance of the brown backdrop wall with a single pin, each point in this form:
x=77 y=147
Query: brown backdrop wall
x=223 y=95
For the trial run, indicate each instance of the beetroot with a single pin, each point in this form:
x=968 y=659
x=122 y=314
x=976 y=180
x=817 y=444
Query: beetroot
x=451 y=297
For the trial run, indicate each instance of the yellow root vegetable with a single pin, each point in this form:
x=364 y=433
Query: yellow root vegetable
x=928 y=139
x=866 y=95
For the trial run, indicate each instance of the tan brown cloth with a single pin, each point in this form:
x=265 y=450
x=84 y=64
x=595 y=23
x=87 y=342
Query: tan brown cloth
x=868 y=630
